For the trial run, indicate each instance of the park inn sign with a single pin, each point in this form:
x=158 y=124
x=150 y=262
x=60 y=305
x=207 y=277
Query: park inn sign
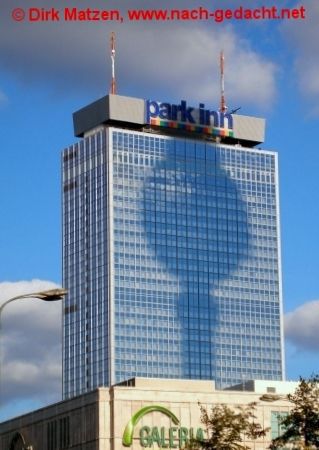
x=184 y=117
x=175 y=436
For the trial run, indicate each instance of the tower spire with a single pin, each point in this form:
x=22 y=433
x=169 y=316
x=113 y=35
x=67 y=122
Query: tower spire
x=223 y=107
x=113 y=83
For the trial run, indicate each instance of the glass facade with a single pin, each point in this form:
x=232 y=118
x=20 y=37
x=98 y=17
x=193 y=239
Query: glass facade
x=172 y=260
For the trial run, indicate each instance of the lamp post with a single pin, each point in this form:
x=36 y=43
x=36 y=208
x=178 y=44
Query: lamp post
x=47 y=296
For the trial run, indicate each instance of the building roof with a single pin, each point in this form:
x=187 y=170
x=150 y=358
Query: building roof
x=134 y=113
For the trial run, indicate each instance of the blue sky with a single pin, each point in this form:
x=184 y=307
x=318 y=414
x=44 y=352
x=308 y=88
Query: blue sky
x=49 y=70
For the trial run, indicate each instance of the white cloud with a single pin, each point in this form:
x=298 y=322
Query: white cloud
x=31 y=345
x=301 y=326
x=302 y=37
x=171 y=59
x=189 y=66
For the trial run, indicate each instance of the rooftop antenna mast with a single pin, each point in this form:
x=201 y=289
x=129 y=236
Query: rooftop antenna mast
x=223 y=107
x=113 y=83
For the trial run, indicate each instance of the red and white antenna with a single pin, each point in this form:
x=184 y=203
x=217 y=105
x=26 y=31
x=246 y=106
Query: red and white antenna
x=223 y=107
x=113 y=83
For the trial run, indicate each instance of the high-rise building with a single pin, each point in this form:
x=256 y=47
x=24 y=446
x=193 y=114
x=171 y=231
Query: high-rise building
x=171 y=247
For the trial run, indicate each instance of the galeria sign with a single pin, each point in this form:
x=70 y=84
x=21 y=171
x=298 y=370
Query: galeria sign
x=163 y=437
x=182 y=116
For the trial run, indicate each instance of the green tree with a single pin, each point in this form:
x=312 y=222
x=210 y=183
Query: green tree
x=228 y=428
x=301 y=425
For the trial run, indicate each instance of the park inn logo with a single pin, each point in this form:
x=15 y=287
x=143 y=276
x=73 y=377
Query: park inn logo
x=175 y=436
x=184 y=117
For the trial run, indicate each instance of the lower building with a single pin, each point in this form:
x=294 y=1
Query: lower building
x=151 y=413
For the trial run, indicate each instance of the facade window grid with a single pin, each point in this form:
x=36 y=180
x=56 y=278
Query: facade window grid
x=137 y=203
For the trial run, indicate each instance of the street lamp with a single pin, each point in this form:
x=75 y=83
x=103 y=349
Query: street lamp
x=48 y=296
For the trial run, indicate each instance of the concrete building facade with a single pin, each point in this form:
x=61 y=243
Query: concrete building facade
x=144 y=413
